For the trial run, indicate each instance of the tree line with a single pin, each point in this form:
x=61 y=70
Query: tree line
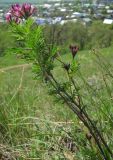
x=97 y=35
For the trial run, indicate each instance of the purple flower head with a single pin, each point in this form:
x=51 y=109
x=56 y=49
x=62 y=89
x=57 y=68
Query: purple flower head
x=32 y=10
x=19 y=12
x=28 y=10
x=11 y=18
x=26 y=7
x=16 y=7
x=8 y=17
x=16 y=10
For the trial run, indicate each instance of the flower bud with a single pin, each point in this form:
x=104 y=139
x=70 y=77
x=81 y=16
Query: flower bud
x=66 y=66
x=74 y=49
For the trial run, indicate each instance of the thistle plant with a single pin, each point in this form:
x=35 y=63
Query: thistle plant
x=33 y=46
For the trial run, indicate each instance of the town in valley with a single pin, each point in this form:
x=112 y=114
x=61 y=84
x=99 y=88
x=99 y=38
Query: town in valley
x=63 y=11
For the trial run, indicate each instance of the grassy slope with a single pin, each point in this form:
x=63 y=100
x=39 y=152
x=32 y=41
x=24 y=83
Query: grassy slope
x=10 y=60
x=24 y=100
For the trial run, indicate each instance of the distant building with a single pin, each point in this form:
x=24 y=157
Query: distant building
x=63 y=9
x=76 y=14
x=47 y=6
x=86 y=21
x=108 y=21
x=100 y=6
x=102 y=1
x=68 y=21
x=109 y=11
x=57 y=20
x=79 y=15
x=1 y=10
x=57 y=4
x=41 y=21
x=98 y=16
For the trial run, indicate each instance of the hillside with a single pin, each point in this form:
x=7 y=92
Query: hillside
x=36 y=125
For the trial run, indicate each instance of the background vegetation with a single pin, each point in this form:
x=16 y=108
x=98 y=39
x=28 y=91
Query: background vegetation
x=96 y=35
x=35 y=125
x=87 y=37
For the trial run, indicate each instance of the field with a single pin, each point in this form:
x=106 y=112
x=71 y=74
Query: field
x=33 y=124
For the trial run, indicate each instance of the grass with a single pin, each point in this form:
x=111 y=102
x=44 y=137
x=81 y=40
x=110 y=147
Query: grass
x=33 y=125
x=10 y=60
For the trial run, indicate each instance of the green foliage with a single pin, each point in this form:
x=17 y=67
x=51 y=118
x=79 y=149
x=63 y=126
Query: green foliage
x=31 y=44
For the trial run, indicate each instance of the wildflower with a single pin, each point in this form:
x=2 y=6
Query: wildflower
x=27 y=10
x=19 y=12
x=16 y=10
x=74 y=49
x=16 y=7
x=8 y=17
